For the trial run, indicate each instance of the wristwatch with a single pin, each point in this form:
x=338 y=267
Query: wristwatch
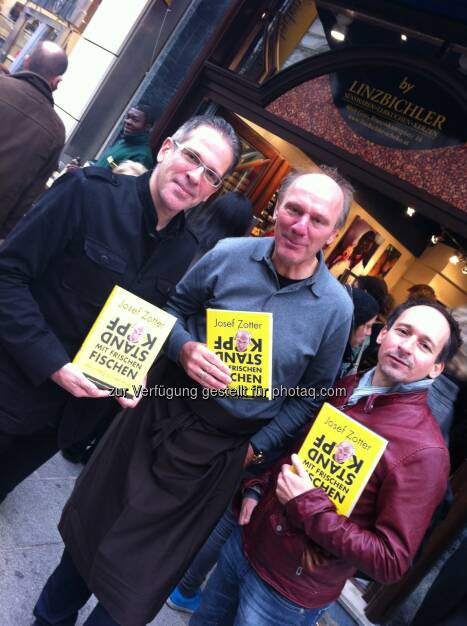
x=258 y=456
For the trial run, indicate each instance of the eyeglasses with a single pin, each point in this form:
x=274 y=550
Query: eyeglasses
x=194 y=160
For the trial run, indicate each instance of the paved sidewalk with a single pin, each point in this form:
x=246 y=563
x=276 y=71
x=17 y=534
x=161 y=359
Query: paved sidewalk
x=30 y=546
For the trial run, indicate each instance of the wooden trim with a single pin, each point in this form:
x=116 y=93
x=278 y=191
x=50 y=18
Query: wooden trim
x=272 y=182
x=257 y=28
x=252 y=137
x=277 y=167
x=334 y=61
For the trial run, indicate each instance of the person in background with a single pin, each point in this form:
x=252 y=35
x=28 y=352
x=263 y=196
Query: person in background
x=296 y=552
x=377 y=288
x=457 y=371
x=446 y=397
x=366 y=310
x=133 y=144
x=422 y=291
x=130 y=168
x=445 y=603
x=32 y=135
x=229 y=215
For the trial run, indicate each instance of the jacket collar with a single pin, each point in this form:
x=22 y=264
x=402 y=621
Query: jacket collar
x=176 y=224
x=36 y=81
x=137 y=139
x=365 y=388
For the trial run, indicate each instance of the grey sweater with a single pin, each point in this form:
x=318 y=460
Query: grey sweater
x=311 y=325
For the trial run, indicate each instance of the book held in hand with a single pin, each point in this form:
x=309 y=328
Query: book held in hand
x=340 y=455
x=123 y=341
x=243 y=341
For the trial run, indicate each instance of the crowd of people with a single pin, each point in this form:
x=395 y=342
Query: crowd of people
x=176 y=485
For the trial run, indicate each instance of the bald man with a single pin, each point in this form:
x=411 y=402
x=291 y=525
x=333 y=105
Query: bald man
x=31 y=133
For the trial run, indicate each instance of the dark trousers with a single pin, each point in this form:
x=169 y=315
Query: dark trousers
x=445 y=604
x=207 y=557
x=21 y=455
x=64 y=594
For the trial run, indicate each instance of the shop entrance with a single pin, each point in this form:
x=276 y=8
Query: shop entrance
x=380 y=238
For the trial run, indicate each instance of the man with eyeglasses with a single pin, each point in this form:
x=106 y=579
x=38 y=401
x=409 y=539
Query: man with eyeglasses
x=94 y=229
x=167 y=469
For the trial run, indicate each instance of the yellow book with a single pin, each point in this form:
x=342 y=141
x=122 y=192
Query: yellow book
x=123 y=342
x=243 y=341
x=340 y=455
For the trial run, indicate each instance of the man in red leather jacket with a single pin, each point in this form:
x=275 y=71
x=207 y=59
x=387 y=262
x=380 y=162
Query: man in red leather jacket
x=296 y=552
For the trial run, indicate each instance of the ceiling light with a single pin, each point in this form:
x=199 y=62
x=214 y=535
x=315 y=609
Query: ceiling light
x=341 y=27
x=454 y=259
x=337 y=35
x=464 y=269
x=410 y=211
x=404 y=37
x=434 y=239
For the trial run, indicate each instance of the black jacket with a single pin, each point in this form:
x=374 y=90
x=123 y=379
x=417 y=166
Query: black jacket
x=92 y=230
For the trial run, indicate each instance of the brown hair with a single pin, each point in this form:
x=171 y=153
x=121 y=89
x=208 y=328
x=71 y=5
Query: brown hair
x=452 y=344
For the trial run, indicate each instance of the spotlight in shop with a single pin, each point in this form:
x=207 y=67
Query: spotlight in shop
x=339 y=32
x=404 y=37
x=410 y=211
x=337 y=35
x=460 y=254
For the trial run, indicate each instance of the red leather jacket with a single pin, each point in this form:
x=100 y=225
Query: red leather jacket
x=306 y=551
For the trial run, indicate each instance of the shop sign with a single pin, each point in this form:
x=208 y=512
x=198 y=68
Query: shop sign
x=398 y=109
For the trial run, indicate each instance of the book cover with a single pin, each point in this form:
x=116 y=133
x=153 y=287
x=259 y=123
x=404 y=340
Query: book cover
x=123 y=341
x=340 y=455
x=243 y=341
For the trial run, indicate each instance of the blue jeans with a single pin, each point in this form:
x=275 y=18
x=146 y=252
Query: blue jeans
x=64 y=594
x=207 y=557
x=236 y=596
